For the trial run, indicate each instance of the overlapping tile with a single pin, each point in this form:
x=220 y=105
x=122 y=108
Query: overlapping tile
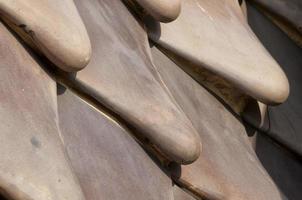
x=109 y=163
x=53 y=27
x=285 y=120
x=228 y=167
x=121 y=77
x=214 y=36
x=33 y=164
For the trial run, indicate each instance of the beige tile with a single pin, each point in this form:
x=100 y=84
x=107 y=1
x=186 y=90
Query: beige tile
x=53 y=27
x=109 y=163
x=33 y=162
x=228 y=167
x=161 y=10
x=122 y=77
x=214 y=36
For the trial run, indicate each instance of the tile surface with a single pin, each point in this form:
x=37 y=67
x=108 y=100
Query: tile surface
x=161 y=10
x=52 y=27
x=214 y=36
x=33 y=165
x=228 y=167
x=121 y=76
x=109 y=163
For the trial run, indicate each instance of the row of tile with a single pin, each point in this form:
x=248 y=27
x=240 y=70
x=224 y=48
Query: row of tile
x=222 y=67
x=172 y=102
x=218 y=48
x=57 y=146
x=62 y=37
x=99 y=150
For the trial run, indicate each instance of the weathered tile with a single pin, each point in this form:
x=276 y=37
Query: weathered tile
x=53 y=27
x=214 y=36
x=121 y=76
x=109 y=163
x=285 y=170
x=228 y=167
x=33 y=165
x=161 y=10
x=285 y=120
x=180 y=194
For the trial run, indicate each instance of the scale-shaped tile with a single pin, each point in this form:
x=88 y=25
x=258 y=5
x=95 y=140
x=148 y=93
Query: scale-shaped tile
x=285 y=120
x=229 y=94
x=288 y=10
x=228 y=167
x=109 y=163
x=33 y=165
x=53 y=27
x=161 y=10
x=122 y=77
x=214 y=35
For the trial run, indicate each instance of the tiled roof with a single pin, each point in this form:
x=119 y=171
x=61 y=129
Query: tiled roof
x=149 y=99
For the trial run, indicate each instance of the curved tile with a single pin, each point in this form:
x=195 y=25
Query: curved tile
x=121 y=76
x=109 y=163
x=228 y=168
x=161 y=10
x=286 y=119
x=53 y=27
x=33 y=165
x=220 y=87
x=215 y=36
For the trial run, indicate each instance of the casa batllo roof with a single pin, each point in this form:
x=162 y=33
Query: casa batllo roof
x=150 y=99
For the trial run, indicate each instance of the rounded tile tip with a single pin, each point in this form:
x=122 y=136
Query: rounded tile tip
x=276 y=91
x=282 y=93
x=71 y=59
x=184 y=149
x=192 y=154
x=162 y=10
